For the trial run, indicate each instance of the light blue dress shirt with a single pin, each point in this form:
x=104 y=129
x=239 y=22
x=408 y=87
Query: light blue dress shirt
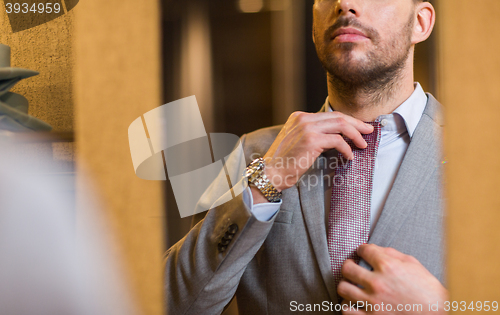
x=396 y=132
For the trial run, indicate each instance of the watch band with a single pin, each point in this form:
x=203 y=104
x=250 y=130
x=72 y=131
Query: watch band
x=255 y=174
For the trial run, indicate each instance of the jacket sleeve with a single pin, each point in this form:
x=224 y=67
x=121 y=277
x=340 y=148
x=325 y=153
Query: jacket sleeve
x=203 y=270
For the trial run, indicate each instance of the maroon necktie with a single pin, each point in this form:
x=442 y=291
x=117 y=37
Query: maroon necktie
x=349 y=218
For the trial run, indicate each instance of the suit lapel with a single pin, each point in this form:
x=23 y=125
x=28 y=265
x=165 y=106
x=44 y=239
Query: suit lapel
x=312 y=201
x=421 y=160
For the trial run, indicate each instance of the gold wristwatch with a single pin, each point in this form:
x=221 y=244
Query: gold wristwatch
x=255 y=174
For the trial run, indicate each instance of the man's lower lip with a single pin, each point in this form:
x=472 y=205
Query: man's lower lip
x=349 y=38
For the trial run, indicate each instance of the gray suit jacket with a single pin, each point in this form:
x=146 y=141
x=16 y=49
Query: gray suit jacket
x=268 y=265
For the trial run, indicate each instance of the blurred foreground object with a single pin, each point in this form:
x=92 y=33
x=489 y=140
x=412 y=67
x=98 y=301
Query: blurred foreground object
x=14 y=107
x=48 y=263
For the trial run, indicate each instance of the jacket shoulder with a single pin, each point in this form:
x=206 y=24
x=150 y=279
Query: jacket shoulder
x=434 y=110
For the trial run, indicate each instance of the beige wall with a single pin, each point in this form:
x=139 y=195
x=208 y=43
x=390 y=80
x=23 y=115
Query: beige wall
x=469 y=33
x=117 y=79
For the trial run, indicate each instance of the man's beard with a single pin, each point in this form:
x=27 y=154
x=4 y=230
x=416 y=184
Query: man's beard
x=379 y=71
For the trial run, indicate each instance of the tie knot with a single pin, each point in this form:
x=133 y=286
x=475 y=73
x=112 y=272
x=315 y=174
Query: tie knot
x=372 y=139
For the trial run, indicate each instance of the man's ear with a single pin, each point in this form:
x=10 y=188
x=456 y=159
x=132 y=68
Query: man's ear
x=424 y=22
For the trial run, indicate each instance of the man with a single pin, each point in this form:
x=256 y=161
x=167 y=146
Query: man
x=291 y=242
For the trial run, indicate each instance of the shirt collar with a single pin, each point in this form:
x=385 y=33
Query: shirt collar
x=410 y=110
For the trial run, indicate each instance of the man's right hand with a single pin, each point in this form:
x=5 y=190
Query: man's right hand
x=304 y=137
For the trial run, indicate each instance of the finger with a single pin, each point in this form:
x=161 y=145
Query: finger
x=351 y=292
x=355 y=273
x=356 y=123
x=347 y=308
x=335 y=141
x=354 y=312
x=340 y=125
x=309 y=117
x=373 y=254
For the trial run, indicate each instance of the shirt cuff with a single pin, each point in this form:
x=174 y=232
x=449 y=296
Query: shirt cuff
x=262 y=211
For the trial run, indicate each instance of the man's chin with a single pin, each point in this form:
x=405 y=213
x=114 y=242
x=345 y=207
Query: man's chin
x=354 y=55
x=349 y=77
x=350 y=72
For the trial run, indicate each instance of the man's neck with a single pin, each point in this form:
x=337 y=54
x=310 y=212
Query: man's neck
x=367 y=104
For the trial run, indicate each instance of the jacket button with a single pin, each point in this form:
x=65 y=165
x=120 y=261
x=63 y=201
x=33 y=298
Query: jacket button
x=224 y=241
x=221 y=247
x=232 y=229
x=228 y=236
